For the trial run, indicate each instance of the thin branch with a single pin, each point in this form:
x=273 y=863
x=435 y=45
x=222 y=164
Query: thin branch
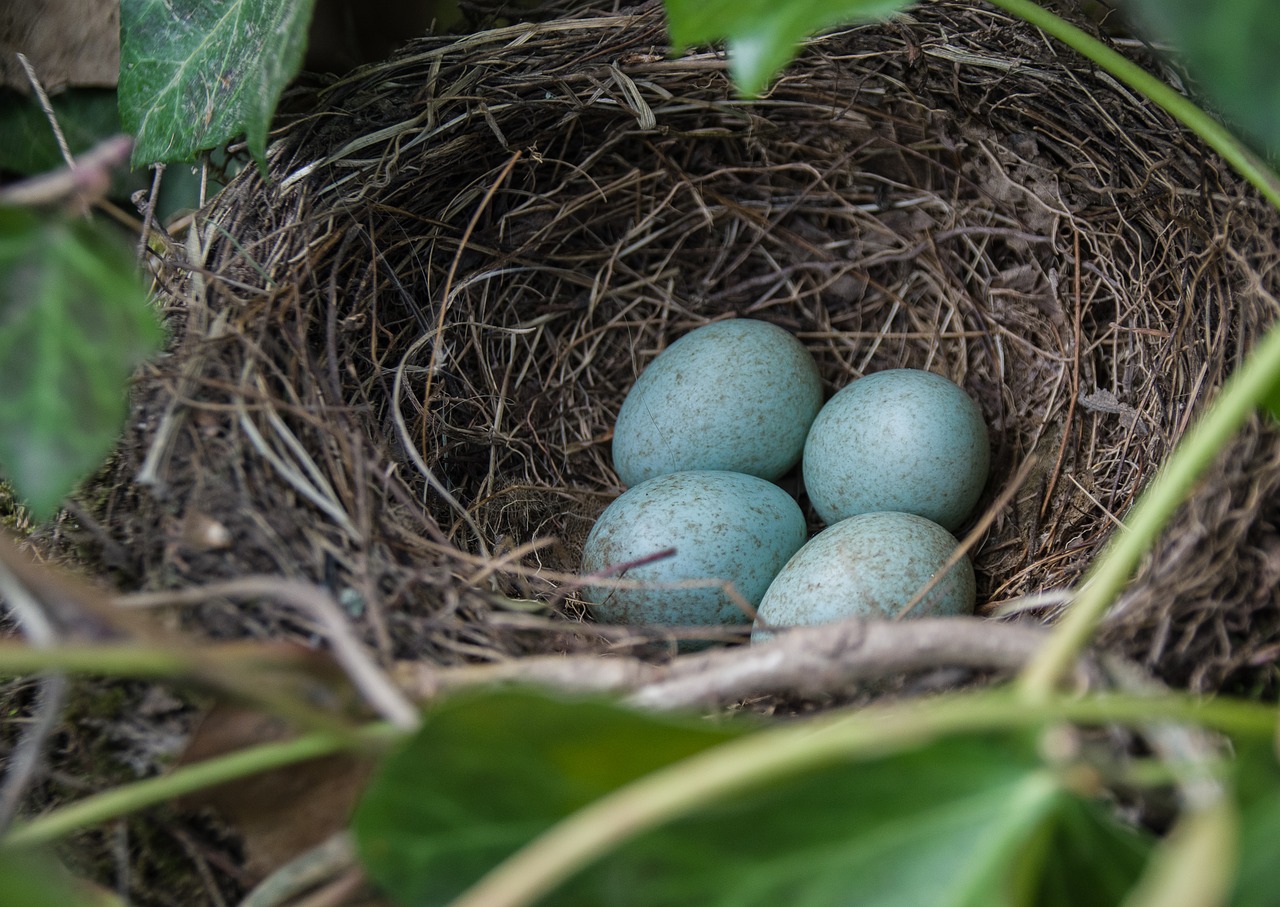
x=349 y=651
x=24 y=763
x=148 y=211
x=974 y=535
x=47 y=107
x=80 y=185
x=802 y=661
x=304 y=872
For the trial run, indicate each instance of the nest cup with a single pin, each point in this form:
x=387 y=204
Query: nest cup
x=400 y=356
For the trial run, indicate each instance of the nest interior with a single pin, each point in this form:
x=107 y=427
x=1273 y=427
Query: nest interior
x=399 y=356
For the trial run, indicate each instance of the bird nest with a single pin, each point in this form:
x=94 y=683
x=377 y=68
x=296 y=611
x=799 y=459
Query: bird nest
x=399 y=354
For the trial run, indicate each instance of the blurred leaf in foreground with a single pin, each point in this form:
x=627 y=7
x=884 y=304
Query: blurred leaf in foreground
x=1258 y=799
x=976 y=821
x=86 y=115
x=963 y=822
x=1230 y=49
x=31 y=880
x=486 y=774
x=194 y=75
x=74 y=323
x=1089 y=857
x=763 y=35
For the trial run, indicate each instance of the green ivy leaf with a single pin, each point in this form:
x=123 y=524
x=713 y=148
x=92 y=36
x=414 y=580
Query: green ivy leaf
x=194 y=74
x=763 y=35
x=33 y=880
x=86 y=115
x=1091 y=857
x=74 y=323
x=1230 y=48
x=488 y=773
x=958 y=823
x=1258 y=799
x=973 y=821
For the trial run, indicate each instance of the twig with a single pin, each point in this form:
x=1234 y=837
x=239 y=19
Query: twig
x=171 y=420
x=81 y=183
x=201 y=863
x=47 y=107
x=1185 y=748
x=350 y=652
x=1075 y=381
x=24 y=761
x=973 y=536
x=149 y=211
x=304 y=872
x=802 y=661
x=341 y=892
x=437 y=337
x=42 y=632
x=78 y=186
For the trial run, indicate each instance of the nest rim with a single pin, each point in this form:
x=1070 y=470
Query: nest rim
x=1087 y=243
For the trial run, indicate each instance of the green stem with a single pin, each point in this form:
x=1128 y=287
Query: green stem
x=119 y=801
x=1181 y=108
x=241 y=669
x=763 y=758
x=106 y=659
x=1195 y=863
x=145 y=661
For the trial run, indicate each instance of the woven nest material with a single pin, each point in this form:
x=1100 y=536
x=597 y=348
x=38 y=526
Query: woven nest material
x=399 y=358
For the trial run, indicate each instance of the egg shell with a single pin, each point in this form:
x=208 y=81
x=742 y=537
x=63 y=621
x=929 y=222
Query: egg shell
x=736 y=395
x=868 y=566
x=901 y=439
x=722 y=525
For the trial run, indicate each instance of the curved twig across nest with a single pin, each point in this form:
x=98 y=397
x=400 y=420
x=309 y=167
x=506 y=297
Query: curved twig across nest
x=404 y=350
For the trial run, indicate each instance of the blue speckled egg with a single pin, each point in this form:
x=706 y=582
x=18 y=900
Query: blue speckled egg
x=902 y=440
x=723 y=526
x=735 y=395
x=869 y=566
